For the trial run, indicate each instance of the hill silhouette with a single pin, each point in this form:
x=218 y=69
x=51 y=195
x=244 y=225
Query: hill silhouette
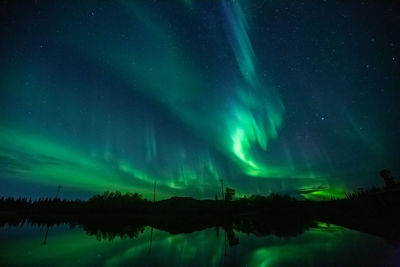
x=115 y=214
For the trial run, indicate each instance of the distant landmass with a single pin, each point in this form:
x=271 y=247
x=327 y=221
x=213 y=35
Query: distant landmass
x=374 y=211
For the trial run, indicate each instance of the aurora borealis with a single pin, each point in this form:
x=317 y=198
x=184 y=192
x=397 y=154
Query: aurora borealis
x=271 y=96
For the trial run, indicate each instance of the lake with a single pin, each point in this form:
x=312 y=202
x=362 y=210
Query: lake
x=322 y=245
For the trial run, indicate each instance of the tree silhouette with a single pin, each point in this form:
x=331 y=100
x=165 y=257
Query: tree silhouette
x=229 y=194
x=387 y=178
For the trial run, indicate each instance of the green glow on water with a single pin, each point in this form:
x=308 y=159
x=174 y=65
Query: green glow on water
x=74 y=247
x=322 y=245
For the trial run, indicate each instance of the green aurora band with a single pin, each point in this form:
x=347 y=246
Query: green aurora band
x=181 y=101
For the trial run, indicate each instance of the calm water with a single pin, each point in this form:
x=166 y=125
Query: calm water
x=324 y=245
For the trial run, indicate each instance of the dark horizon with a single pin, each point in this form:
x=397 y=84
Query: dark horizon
x=199 y=133
x=373 y=211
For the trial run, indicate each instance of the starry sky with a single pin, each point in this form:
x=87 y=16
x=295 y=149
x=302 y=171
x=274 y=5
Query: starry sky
x=294 y=97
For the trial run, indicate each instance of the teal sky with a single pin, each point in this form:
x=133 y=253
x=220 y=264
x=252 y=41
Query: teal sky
x=271 y=96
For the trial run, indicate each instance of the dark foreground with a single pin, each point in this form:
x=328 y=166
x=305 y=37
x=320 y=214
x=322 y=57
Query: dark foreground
x=321 y=244
x=126 y=230
x=117 y=214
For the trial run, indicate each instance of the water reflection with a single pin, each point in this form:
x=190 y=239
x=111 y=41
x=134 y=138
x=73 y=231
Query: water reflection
x=321 y=245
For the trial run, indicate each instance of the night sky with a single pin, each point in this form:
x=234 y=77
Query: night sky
x=293 y=97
